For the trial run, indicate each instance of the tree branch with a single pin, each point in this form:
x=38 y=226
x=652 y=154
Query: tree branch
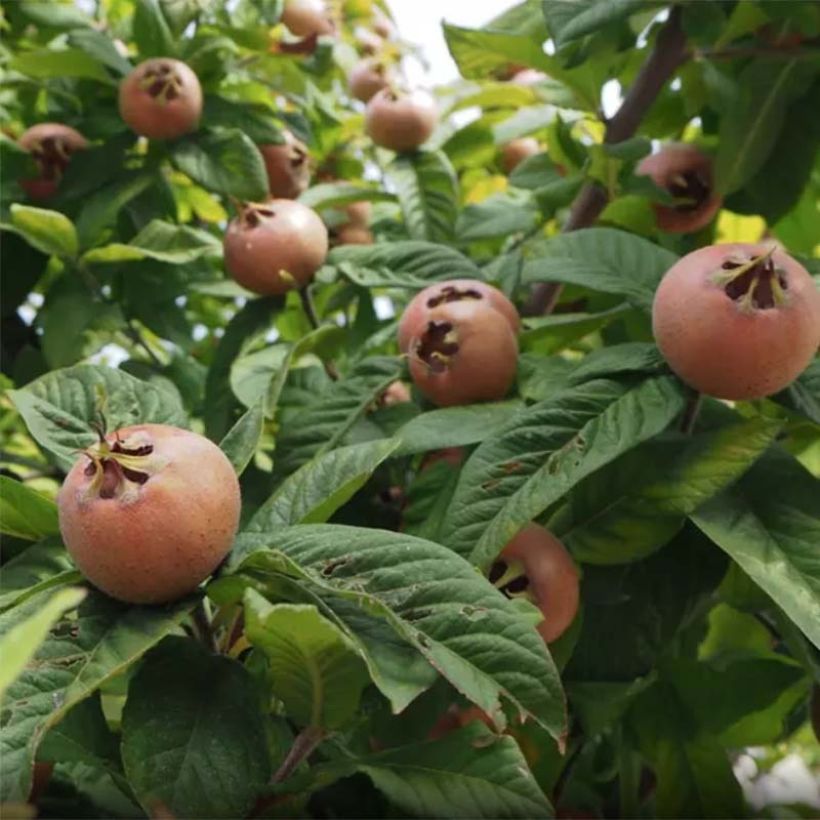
x=303 y=747
x=668 y=54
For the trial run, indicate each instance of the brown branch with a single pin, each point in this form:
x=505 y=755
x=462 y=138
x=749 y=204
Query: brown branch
x=303 y=747
x=668 y=54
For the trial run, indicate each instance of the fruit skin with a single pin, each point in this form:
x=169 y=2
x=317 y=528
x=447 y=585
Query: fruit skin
x=280 y=235
x=516 y=151
x=51 y=144
x=158 y=540
x=358 y=213
x=416 y=313
x=166 y=109
x=552 y=574
x=367 y=78
x=305 y=18
x=353 y=235
x=673 y=160
x=719 y=348
x=400 y=122
x=287 y=165
x=481 y=354
x=396 y=393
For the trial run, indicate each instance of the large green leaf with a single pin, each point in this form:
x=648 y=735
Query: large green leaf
x=68 y=62
x=317 y=671
x=495 y=217
x=427 y=187
x=768 y=523
x=322 y=424
x=751 y=125
x=636 y=504
x=547 y=449
x=467 y=773
x=333 y=194
x=60 y=407
x=409 y=264
x=41 y=566
x=318 y=488
x=25 y=513
x=75 y=660
x=49 y=231
x=226 y=163
x=550 y=334
x=602 y=259
x=241 y=441
x=432 y=598
x=193 y=736
x=19 y=643
x=573 y=20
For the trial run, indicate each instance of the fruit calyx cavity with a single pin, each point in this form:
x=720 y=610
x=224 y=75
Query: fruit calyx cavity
x=451 y=293
x=162 y=82
x=754 y=284
x=117 y=470
x=437 y=345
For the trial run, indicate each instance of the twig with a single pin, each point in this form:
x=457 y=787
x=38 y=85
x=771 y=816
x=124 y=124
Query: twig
x=310 y=312
x=303 y=747
x=133 y=333
x=690 y=412
x=203 y=627
x=668 y=54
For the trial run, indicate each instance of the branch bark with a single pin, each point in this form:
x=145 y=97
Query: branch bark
x=668 y=54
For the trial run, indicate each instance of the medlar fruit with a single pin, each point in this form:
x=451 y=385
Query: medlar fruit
x=306 y=18
x=367 y=78
x=400 y=121
x=516 y=151
x=287 y=165
x=275 y=246
x=51 y=144
x=737 y=321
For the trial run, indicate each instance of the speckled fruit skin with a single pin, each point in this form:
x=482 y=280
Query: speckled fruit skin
x=366 y=79
x=416 y=313
x=287 y=165
x=553 y=577
x=673 y=159
x=722 y=350
x=516 y=151
x=353 y=235
x=400 y=122
x=164 y=542
x=38 y=140
x=154 y=118
x=305 y=18
x=483 y=368
x=293 y=239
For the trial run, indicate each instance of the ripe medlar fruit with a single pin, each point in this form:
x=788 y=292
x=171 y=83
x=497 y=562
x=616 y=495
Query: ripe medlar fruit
x=464 y=351
x=275 y=246
x=400 y=121
x=161 y=99
x=287 y=165
x=353 y=235
x=536 y=565
x=516 y=151
x=149 y=512
x=686 y=173
x=358 y=213
x=454 y=290
x=367 y=78
x=51 y=144
x=737 y=321
x=304 y=18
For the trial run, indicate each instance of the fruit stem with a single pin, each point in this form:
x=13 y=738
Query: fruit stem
x=303 y=747
x=690 y=412
x=310 y=313
x=203 y=627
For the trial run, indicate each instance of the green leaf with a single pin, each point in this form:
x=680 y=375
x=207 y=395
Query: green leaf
x=54 y=14
x=25 y=513
x=409 y=264
x=803 y=395
x=751 y=126
x=322 y=424
x=257 y=120
x=70 y=62
x=41 y=566
x=19 y=642
x=535 y=172
x=334 y=194
x=317 y=489
x=431 y=597
x=635 y=505
x=602 y=259
x=241 y=441
x=568 y=21
x=454 y=426
x=773 y=536
x=101 y=47
x=550 y=334
x=695 y=778
x=318 y=673
x=75 y=660
x=151 y=31
x=467 y=773
x=60 y=407
x=193 y=737
x=546 y=450
x=496 y=216
x=427 y=188
x=226 y=163
x=49 y=231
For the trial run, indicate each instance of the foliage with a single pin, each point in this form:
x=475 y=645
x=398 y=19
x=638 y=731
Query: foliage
x=308 y=677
